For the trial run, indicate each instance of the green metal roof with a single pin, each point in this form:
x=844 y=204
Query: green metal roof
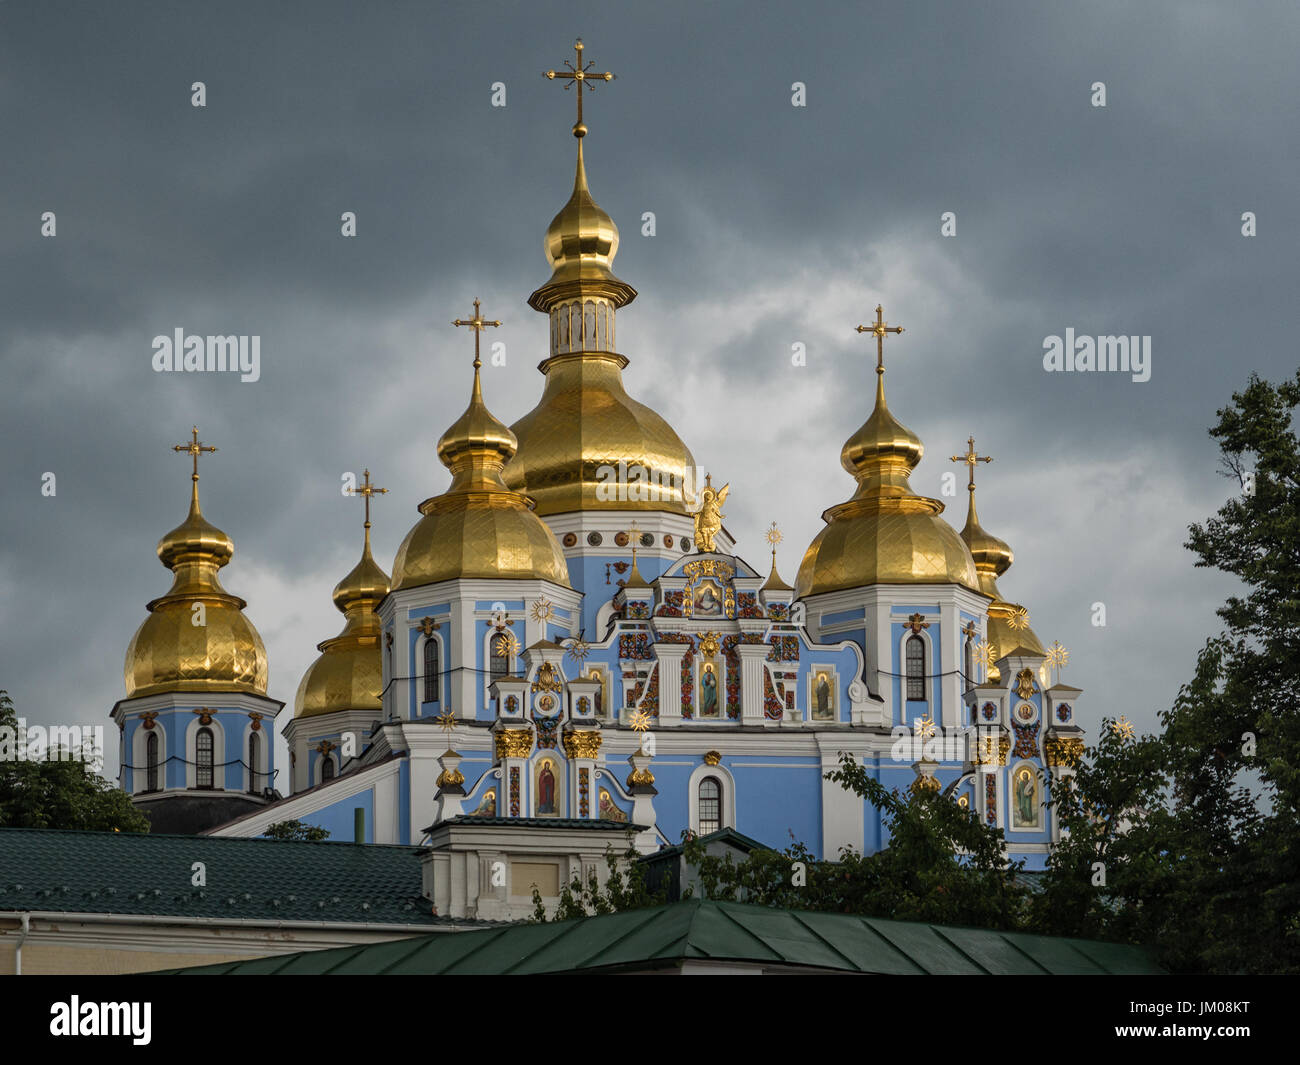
x=247 y=879
x=663 y=937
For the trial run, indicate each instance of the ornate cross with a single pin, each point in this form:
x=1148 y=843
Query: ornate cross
x=916 y=623
x=878 y=329
x=477 y=324
x=428 y=626
x=194 y=448
x=367 y=490
x=582 y=77
x=970 y=458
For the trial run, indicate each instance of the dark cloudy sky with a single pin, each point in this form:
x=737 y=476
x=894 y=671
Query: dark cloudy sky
x=776 y=225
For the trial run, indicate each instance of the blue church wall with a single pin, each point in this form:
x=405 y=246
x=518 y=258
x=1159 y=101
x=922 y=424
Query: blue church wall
x=773 y=803
x=404 y=801
x=338 y=818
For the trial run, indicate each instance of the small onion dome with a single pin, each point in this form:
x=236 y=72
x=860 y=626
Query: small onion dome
x=169 y=653
x=993 y=557
x=885 y=534
x=349 y=673
x=478 y=528
x=580 y=246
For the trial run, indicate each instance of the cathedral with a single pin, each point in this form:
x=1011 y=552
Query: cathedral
x=569 y=650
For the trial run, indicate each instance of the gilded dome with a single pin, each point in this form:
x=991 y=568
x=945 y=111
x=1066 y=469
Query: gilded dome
x=349 y=673
x=478 y=528
x=1008 y=627
x=885 y=534
x=572 y=443
x=587 y=436
x=169 y=652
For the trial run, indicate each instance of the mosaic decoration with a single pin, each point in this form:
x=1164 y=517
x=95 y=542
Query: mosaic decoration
x=608 y=811
x=635 y=645
x=784 y=649
x=747 y=605
x=512 y=704
x=548 y=731
x=672 y=607
x=636 y=610
x=990 y=800
x=733 y=675
x=772 y=708
x=584 y=704
x=514 y=791
x=1026 y=740
x=487 y=805
x=1063 y=713
x=989 y=710
x=584 y=793
x=778 y=611
x=650 y=702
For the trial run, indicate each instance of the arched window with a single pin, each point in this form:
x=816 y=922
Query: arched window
x=915 y=668
x=432 y=668
x=203 y=756
x=969 y=659
x=151 y=762
x=326 y=768
x=252 y=762
x=710 y=805
x=499 y=660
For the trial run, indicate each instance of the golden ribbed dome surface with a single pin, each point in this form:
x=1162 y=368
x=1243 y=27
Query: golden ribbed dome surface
x=478 y=528
x=571 y=443
x=349 y=673
x=885 y=534
x=169 y=652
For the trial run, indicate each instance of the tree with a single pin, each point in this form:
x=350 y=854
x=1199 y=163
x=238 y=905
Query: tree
x=296 y=830
x=625 y=889
x=55 y=792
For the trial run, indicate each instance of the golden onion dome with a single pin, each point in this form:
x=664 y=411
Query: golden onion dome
x=586 y=436
x=885 y=534
x=1008 y=626
x=170 y=652
x=348 y=675
x=478 y=528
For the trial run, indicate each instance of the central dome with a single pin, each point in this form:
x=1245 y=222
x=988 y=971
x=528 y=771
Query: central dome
x=885 y=534
x=588 y=445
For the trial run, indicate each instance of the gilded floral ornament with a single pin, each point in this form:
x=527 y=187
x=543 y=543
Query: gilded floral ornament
x=548 y=679
x=1063 y=752
x=1025 y=683
x=712 y=757
x=640 y=778
x=514 y=743
x=450 y=778
x=709 y=642
x=582 y=743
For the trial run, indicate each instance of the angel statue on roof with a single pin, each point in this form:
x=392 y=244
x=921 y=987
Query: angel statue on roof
x=708 y=519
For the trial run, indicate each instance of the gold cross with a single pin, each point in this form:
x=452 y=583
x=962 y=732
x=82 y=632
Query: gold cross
x=367 y=490
x=970 y=458
x=878 y=329
x=581 y=76
x=477 y=324
x=194 y=448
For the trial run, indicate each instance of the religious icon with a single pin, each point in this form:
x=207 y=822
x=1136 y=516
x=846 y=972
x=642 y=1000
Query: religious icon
x=608 y=811
x=487 y=806
x=1025 y=712
x=709 y=599
x=546 y=789
x=1026 y=796
x=708 y=691
x=708 y=519
x=823 y=698
x=595 y=674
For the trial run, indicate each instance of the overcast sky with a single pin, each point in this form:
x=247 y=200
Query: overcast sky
x=776 y=225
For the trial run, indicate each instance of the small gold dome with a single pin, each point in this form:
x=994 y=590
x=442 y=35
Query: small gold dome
x=993 y=557
x=169 y=652
x=349 y=673
x=885 y=534
x=580 y=246
x=478 y=528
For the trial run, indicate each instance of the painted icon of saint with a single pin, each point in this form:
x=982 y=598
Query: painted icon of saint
x=546 y=790
x=1025 y=797
x=823 y=696
x=708 y=692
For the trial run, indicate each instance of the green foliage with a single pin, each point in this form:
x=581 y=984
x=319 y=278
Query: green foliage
x=625 y=889
x=943 y=865
x=63 y=794
x=296 y=830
